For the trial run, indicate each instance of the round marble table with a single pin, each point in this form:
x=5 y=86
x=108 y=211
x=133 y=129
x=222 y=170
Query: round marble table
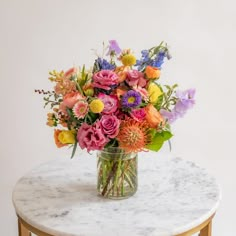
x=174 y=197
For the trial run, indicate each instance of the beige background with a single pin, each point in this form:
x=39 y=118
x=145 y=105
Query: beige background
x=38 y=36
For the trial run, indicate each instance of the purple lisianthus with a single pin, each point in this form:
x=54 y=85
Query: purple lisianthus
x=185 y=101
x=113 y=48
x=104 y=79
x=131 y=99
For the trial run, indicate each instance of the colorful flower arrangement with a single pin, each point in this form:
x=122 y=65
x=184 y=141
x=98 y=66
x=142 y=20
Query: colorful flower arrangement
x=119 y=102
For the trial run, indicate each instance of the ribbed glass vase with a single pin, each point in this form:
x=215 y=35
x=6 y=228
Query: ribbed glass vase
x=117 y=173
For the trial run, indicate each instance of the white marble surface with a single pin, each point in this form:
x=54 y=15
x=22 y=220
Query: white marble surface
x=60 y=198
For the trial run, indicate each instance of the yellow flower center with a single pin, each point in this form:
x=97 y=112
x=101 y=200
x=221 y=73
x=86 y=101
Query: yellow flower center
x=131 y=100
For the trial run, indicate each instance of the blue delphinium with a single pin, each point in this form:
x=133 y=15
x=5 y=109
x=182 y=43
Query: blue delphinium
x=102 y=64
x=149 y=58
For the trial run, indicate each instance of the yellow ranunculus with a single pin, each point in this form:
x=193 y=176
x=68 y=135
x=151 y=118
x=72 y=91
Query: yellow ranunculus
x=154 y=92
x=96 y=106
x=67 y=137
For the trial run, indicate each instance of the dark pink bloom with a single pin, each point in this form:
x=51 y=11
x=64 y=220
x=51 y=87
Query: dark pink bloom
x=138 y=114
x=110 y=103
x=110 y=125
x=135 y=78
x=104 y=79
x=91 y=137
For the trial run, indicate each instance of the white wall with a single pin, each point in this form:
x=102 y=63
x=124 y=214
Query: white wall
x=38 y=35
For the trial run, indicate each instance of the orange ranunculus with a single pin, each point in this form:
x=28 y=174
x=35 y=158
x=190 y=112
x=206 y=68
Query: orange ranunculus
x=120 y=91
x=57 y=142
x=153 y=117
x=152 y=72
x=121 y=71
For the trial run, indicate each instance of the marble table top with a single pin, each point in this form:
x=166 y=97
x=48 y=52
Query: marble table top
x=60 y=198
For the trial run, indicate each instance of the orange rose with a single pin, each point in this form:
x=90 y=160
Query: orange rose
x=57 y=142
x=152 y=72
x=153 y=117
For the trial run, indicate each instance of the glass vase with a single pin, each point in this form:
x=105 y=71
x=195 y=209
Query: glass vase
x=117 y=173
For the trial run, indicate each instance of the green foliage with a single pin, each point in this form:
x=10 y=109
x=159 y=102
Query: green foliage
x=158 y=139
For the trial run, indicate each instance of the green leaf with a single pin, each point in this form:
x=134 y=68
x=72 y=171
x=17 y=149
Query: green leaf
x=74 y=149
x=158 y=140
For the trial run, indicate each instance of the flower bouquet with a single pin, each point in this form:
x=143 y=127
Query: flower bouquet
x=117 y=107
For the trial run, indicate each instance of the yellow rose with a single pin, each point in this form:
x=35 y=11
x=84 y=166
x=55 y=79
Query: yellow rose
x=66 y=137
x=154 y=92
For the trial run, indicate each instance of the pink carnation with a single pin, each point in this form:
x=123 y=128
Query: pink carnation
x=135 y=78
x=110 y=103
x=104 y=79
x=138 y=114
x=91 y=137
x=110 y=125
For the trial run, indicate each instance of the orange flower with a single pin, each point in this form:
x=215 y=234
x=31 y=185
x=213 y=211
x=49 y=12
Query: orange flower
x=120 y=91
x=153 y=117
x=57 y=142
x=152 y=72
x=121 y=71
x=133 y=135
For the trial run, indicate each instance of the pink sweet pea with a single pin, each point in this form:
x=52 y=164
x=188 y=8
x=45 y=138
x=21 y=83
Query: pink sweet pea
x=91 y=137
x=104 y=79
x=110 y=125
x=110 y=103
x=135 y=78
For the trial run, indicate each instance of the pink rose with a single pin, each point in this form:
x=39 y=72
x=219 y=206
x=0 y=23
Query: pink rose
x=135 y=78
x=110 y=125
x=110 y=103
x=69 y=101
x=104 y=79
x=138 y=114
x=91 y=137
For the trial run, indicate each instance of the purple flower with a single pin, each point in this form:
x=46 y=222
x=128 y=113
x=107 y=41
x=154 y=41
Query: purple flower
x=113 y=48
x=170 y=116
x=131 y=99
x=185 y=101
x=102 y=64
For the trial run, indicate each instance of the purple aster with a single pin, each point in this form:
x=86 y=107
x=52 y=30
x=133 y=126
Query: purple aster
x=131 y=99
x=113 y=48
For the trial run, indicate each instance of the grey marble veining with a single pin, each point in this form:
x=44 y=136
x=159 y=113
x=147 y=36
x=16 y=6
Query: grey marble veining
x=60 y=198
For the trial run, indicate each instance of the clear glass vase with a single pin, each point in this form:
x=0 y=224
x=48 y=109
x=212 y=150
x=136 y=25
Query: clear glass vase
x=117 y=173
